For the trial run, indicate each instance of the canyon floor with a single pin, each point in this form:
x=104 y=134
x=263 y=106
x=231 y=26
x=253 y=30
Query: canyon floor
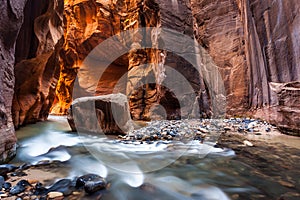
x=270 y=163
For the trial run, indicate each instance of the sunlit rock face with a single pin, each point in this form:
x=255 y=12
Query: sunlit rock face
x=87 y=24
x=10 y=24
x=37 y=61
x=252 y=43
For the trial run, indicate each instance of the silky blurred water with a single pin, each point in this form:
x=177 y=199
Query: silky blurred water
x=193 y=176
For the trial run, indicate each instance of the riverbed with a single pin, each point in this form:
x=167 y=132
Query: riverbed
x=229 y=170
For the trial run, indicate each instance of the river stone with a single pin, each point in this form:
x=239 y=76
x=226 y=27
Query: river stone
x=91 y=183
x=6 y=168
x=19 y=188
x=64 y=186
x=2 y=181
x=39 y=189
x=53 y=195
x=111 y=114
x=6 y=185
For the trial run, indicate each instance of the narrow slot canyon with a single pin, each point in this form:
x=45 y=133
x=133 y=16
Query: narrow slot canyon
x=146 y=87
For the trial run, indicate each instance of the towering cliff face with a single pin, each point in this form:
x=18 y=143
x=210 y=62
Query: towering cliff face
x=10 y=24
x=252 y=43
x=219 y=29
x=87 y=24
x=272 y=34
x=37 y=61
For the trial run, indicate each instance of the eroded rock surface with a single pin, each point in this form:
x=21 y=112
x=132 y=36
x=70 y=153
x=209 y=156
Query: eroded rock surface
x=10 y=24
x=254 y=43
x=38 y=70
x=251 y=44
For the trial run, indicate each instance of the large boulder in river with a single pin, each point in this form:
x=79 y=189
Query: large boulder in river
x=108 y=114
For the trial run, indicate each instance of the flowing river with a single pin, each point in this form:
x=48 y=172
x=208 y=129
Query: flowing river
x=192 y=175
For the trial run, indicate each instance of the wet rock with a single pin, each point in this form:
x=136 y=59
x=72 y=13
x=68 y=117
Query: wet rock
x=25 y=166
x=91 y=183
x=7 y=168
x=6 y=185
x=64 y=186
x=37 y=61
x=2 y=181
x=94 y=186
x=20 y=187
x=40 y=189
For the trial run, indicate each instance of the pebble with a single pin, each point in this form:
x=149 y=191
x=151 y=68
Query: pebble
x=2 y=181
x=91 y=183
x=20 y=187
x=40 y=189
x=247 y=143
x=6 y=185
x=53 y=195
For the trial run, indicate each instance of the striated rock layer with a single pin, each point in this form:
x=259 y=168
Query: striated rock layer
x=254 y=44
x=37 y=65
x=10 y=24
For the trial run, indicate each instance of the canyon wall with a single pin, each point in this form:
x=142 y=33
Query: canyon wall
x=37 y=61
x=10 y=24
x=272 y=34
x=253 y=44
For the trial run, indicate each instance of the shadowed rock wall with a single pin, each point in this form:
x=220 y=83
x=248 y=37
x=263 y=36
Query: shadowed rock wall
x=37 y=66
x=10 y=24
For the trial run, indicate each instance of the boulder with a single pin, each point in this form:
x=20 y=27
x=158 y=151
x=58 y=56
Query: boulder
x=108 y=114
